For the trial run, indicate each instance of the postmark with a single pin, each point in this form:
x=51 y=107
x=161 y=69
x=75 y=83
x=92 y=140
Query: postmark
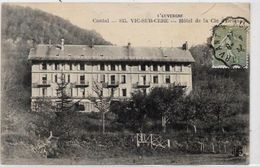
x=230 y=42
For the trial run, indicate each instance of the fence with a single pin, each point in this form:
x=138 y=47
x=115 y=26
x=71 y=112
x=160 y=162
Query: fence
x=193 y=145
x=152 y=140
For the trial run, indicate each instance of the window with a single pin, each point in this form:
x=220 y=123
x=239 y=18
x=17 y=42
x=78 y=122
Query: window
x=123 y=67
x=44 y=66
x=56 y=66
x=112 y=92
x=124 y=92
x=44 y=79
x=55 y=78
x=44 y=91
x=167 y=67
x=82 y=90
x=82 y=66
x=143 y=80
x=167 y=79
x=103 y=78
x=70 y=66
x=155 y=68
x=113 y=79
x=123 y=79
x=113 y=67
x=102 y=67
x=155 y=79
x=68 y=78
x=142 y=67
x=82 y=79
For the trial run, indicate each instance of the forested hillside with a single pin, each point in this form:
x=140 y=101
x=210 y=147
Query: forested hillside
x=28 y=24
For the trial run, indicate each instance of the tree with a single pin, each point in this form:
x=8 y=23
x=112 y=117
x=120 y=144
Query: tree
x=216 y=100
x=193 y=110
x=202 y=54
x=187 y=114
x=165 y=102
x=139 y=110
x=64 y=102
x=101 y=102
x=65 y=107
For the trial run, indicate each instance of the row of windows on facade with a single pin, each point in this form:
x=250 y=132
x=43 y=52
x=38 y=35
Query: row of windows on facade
x=82 y=90
x=112 y=79
x=142 y=67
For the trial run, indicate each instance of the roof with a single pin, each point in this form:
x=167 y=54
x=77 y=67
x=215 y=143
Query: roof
x=109 y=53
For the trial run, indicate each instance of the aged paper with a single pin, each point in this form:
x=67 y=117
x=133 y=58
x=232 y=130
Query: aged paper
x=125 y=83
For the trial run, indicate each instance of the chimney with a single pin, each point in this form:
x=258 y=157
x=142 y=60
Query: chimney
x=128 y=48
x=185 y=46
x=128 y=45
x=62 y=44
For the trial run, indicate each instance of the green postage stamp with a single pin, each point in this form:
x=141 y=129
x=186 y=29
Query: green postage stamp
x=230 y=42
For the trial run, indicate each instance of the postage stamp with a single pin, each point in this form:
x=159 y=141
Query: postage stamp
x=230 y=43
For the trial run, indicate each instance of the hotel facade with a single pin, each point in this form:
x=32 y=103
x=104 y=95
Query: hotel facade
x=122 y=70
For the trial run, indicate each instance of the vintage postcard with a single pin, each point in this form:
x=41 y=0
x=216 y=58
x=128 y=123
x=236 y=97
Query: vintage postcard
x=125 y=83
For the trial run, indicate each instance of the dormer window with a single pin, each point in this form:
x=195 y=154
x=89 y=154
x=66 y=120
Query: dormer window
x=113 y=67
x=142 y=67
x=123 y=67
x=167 y=67
x=102 y=67
x=155 y=68
x=44 y=66
x=82 y=66
x=56 y=66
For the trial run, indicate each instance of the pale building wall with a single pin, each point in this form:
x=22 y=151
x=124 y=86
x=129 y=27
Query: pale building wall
x=178 y=73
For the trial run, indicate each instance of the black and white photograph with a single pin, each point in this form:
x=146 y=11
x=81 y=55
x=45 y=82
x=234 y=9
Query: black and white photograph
x=125 y=83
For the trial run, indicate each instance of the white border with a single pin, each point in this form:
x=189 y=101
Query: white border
x=254 y=71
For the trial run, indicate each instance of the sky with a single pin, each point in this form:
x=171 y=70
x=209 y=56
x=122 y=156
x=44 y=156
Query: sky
x=146 y=34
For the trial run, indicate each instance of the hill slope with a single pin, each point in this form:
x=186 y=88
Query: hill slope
x=27 y=24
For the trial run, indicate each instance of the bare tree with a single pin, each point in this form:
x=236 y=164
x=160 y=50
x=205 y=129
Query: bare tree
x=64 y=102
x=100 y=102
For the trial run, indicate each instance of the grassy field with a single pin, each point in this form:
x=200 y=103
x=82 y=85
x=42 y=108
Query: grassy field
x=175 y=159
x=19 y=152
x=88 y=146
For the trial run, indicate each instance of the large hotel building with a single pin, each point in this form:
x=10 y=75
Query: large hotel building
x=122 y=70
